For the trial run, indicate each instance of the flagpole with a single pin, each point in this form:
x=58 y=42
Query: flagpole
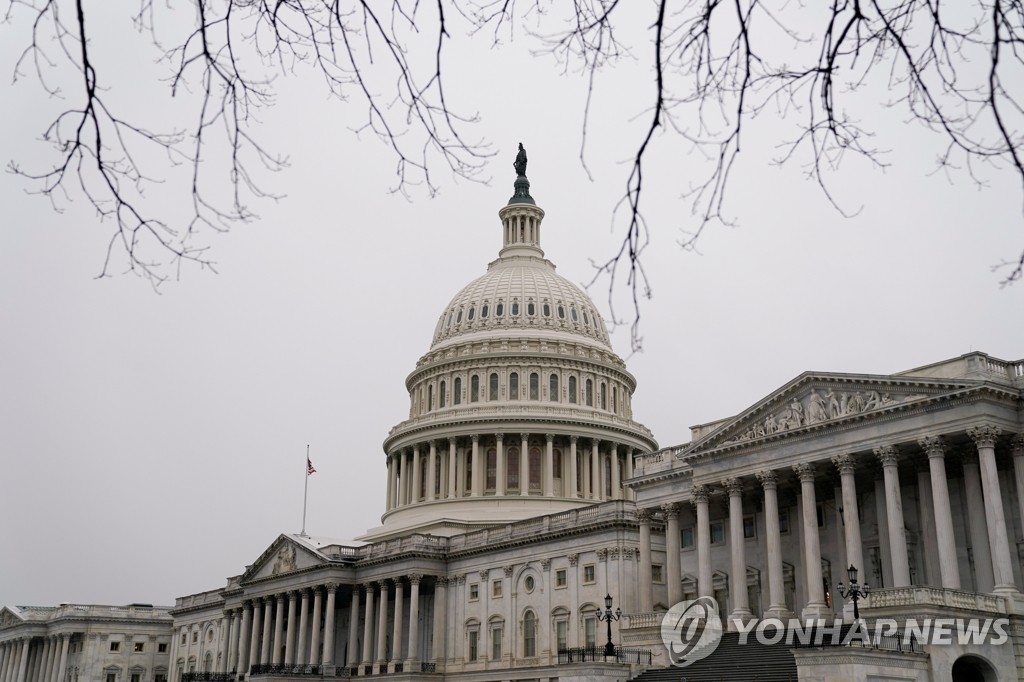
x=305 y=492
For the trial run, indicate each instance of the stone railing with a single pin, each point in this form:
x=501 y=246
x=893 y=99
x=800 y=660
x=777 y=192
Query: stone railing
x=891 y=597
x=641 y=620
x=527 y=410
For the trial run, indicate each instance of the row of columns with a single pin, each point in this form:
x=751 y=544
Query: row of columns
x=375 y=597
x=406 y=474
x=981 y=481
x=27 y=660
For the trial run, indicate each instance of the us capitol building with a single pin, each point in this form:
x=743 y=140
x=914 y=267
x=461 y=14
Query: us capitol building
x=521 y=491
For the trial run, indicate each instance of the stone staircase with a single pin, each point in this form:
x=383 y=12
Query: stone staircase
x=751 y=662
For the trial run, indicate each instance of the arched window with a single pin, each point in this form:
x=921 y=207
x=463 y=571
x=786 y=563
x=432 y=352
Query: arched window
x=535 y=466
x=531 y=309
x=604 y=397
x=547 y=310
x=561 y=312
x=574 y=314
x=590 y=393
x=513 y=386
x=483 y=311
x=430 y=398
x=458 y=317
x=457 y=397
x=553 y=388
x=615 y=399
x=467 y=486
x=529 y=635
x=474 y=389
x=442 y=398
x=472 y=312
x=515 y=308
x=492 y=469
x=437 y=475
x=423 y=478
x=499 y=309
x=492 y=390
x=572 y=390
x=556 y=463
x=534 y=386
x=512 y=468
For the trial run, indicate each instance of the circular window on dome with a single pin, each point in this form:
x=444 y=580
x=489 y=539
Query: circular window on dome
x=561 y=313
x=515 y=309
x=547 y=310
x=472 y=312
x=531 y=309
x=499 y=309
x=484 y=310
x=458 y=318
x=575 y=316
x=529 y=583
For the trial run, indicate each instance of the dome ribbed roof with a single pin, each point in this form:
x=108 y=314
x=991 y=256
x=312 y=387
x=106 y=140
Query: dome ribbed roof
x=520 y=294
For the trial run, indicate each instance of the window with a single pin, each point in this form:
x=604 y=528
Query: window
x=496 y=642
x=474 y=636
x=458 y=318
x=604 y=397
x=115 y=646
x=474 y=389
x=534 y=386
x=821 y=516
x=531 y=309
x=137 y=647
x=784 y=523
x=562 y=633
x=529 y=635
x=513 y=386
x=183 y=639
x=717 y=533
x=553 y=388
x=561 y=312
x=161 y=648
x=472 y=312
x=159 y=677
x=441 y=397
x=484 y=311
x=657 y=573
x=474 y=592
x=492 y=469
x=686 y=537
x=457 y=397
x=590 y=631
x=467 y=485
x=136 y=677
x=590 y=393
x=512 y=468
x=561 y=577
x=572 y=390
x=586 y=318
x=749 y=527
x=575 y=316
x=529 y=583
x=430 y=398
x=111 y=677
x=589 y=574
x=496 y=588
x=615 y=399
x=515 y=308
x=547 y=310
x=499 y=309
x=492 y=389
x=534 y=467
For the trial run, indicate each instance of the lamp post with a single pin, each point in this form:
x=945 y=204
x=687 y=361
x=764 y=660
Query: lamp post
x=854 y=592
x=608 y=617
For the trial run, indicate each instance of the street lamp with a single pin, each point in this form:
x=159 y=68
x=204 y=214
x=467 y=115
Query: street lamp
x=854 y=592
x=608 y=617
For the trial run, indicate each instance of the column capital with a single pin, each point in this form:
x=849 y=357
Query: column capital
x=602 y=554
x=804 y=471
x=550 y=437
x=414 y=578
x=1017 y=445
x=845 y=463
x=573 y=439
x=888 y=455
x=671 y=510
x=476 y=438
x=934 y=446
x=984 y=435
x=451 y=441
x=508 y=570
x=485 y=573
x=441 y=580
x=699 y=494
x=733 y=486
x=267 y=599
x=500 y=437
x=573 y=559
x=382 y=584
x=643 y=515
x=331 y=587
x=768 y=479
x=369 y=588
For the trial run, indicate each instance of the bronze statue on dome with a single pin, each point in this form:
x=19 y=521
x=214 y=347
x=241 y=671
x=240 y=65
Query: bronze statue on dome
x=520 y=163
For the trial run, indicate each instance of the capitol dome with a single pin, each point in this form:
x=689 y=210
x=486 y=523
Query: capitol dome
x=520 y=407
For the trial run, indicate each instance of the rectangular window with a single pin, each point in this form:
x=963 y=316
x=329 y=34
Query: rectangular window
x=137 y=647
x=492 y=390
x=561 y=577
x=496 y=588
x=513 y=386
x=496 y=643
x=111 y=677
x=717 y=533
x=686 y=537
x=749 y=527
x=183 y=639
x=474 y=592
x=783 y=521
x=657 y=574
x=195 y=636
x=562 y=633
x=115 y=646
x=589 y=574
x=590 y=632
x=160 y=677
x=474 y=389
x=474 y=644
x=136 y=677
x=161 y=648
x=534 y=387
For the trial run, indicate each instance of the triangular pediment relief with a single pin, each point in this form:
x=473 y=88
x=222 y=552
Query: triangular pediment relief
x=814 y=401
x=285 y=555
x=8 y=618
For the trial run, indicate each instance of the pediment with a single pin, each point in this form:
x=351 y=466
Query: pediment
x=815 y=401
x=285 y=555
x=9 y=618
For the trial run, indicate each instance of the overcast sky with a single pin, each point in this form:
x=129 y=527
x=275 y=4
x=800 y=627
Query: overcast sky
x=153 y=444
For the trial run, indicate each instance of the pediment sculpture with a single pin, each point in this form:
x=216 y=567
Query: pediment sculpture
x=285 y=560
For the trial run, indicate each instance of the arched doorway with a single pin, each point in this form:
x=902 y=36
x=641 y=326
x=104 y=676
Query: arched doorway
x=973 y=669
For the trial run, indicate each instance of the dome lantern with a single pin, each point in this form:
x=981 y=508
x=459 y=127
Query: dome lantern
x=521 y=218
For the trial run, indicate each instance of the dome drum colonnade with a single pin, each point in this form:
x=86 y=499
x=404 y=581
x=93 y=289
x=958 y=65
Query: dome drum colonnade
x=988 y=531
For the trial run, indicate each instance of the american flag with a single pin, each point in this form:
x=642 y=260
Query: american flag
x=310 y=469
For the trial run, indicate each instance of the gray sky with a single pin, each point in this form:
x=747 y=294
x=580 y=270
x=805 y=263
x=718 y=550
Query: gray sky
x=153 y=444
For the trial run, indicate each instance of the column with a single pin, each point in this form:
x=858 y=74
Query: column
x=268 y=607
x=500 y=472
x=382 y=624
x=405 y=478
x=524 y=465
x=926 y=523
x=235 y=632
x=452 y=469
x=300 y=645
x=7 y=651
x=62 y=666
x=613 y=462
x=699 y=499
x=353 y=629
x=431 y=469
x=1017 y=446
x=946 y=544
x=368 y=627
x=414 y=494
x=278 y=627
x=440 y=616
x=254 y=635
x=396 y=635
x=574 y=476
x=812 y=554
x=737 y=547
x=23 y=661
x=389 y=501
x=414 y=617
x=46 y=659
x=477 y=472
x=225 y=660
x=984 y=437
x=851 y=516
x=597 y=484
x=328 y=655
x=293 y=626
x=977 y=528
x=884 y=553
x=629 y=471
x=889 y=456
x=243 y=638
x=548 y=482
x=643 y=517
x=314 y=635
x=673 y=567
